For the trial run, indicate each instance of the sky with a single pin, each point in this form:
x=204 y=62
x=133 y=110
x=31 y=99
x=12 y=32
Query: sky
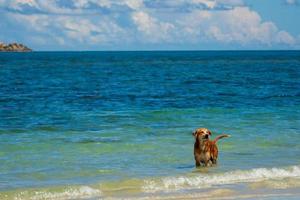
x=80 y=25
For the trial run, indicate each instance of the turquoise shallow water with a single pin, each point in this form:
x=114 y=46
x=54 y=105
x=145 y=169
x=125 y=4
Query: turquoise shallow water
x=85 y=118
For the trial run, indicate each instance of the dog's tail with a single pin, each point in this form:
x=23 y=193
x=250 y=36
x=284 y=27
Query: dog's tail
x=220 y=136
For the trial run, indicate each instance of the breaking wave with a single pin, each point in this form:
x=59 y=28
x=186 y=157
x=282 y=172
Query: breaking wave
x=268 y=177
x=82 y=192
x=200 y=181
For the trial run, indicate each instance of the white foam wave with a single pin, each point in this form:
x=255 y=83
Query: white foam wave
x=206 y=180
x=82 y=192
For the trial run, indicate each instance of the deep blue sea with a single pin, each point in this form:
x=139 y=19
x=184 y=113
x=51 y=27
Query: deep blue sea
x=97 y=122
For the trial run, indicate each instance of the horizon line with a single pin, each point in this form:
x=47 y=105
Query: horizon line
x=152 y=50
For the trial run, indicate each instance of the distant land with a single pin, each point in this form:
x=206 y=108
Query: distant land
x=14 y=47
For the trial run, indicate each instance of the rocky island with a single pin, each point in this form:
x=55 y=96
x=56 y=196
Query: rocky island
x=14 y=47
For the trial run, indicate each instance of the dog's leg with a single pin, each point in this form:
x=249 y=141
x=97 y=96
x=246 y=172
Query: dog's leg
x=208 y=163
x=214 y=161
x=214 y=154
x=197 y=163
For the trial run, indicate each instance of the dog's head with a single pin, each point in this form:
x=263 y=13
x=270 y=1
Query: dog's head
x=202 y=134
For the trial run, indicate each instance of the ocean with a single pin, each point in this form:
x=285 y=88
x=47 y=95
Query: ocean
x=97 y=125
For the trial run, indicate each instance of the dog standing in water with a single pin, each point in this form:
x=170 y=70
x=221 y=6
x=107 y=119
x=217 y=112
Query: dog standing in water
x=205 y=150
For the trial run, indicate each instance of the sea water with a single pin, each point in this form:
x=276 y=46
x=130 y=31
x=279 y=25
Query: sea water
x=124 y=120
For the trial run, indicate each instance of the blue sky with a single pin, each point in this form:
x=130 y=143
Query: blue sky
x=151 y=24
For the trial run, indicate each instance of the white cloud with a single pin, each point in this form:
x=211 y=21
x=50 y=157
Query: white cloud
x=153 y=30
x=78 y=7
x=17 y=4
x=197 y=4
x=64 y=29
x=86 y=3
x=40 y=6
x=208 y=3
x=38 y=23
x=285 y=38
x=211 y=4
x=291 y=2
x=86 y=31
x=238 y=25
x=133 y=4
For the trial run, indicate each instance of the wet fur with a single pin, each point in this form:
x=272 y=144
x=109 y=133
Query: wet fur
x=205 y=150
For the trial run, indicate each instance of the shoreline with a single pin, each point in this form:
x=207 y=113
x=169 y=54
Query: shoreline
x=285 y=184
x=263 y=189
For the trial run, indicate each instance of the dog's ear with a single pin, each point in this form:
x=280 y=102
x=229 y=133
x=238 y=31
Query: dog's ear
x=209 y=132
x=194 y=133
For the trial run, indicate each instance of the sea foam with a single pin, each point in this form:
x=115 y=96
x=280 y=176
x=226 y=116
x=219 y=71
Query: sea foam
x=262 y=176
x=200 y=181
x=81 y=192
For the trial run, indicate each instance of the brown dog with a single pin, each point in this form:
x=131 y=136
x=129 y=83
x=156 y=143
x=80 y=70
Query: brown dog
x=205 y=150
